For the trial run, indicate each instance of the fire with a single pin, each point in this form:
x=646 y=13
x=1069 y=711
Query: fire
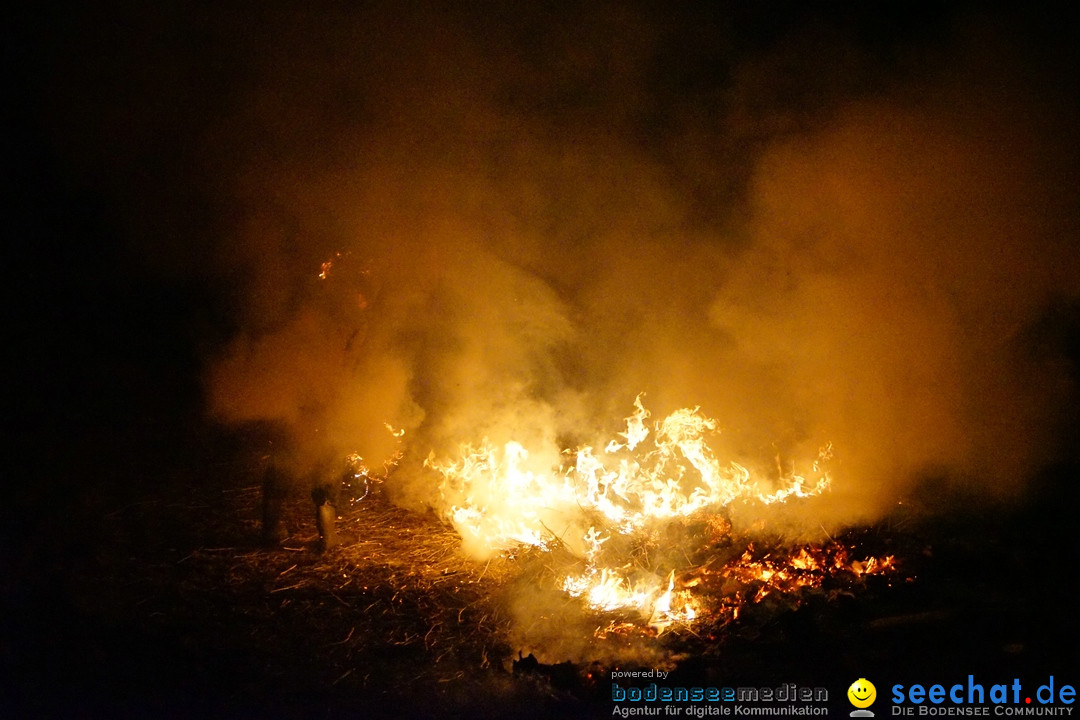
x=604 y=506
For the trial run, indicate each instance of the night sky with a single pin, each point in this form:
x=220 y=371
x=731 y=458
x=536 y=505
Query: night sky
x=856 y=222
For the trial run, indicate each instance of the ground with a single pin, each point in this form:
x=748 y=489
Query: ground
x=164 y=605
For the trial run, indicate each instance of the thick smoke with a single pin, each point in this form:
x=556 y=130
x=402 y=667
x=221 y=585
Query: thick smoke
x=528 y=228
x=900 y=259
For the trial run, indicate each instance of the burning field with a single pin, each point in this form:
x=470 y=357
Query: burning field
x=195 y=617
x=421 y=359
x=615 y=516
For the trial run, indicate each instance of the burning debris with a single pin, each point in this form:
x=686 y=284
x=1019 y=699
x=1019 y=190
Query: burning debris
x=710 y=575
x=641 y=524
x=638 y=536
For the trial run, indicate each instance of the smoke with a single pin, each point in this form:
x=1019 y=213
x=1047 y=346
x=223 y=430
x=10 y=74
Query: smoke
x=506 y=220
x=820 y=225
x=900 y=258
x=526 y=228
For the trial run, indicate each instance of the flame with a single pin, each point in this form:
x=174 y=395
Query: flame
x=327 y=265
x=358 y=475
x=498 y=497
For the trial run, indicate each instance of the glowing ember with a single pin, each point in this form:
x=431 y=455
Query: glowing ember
x=608 y=503
x=327 y=265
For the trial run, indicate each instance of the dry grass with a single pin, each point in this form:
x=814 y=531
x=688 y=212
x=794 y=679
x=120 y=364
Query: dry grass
x=394 y=618
x=393 y=609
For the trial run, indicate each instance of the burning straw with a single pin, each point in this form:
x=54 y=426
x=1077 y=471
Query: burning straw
x=609 y=508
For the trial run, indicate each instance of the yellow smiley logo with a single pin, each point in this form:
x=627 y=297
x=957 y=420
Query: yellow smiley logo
x=862 y=693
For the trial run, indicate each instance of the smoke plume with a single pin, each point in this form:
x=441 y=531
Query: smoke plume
x=519 y=232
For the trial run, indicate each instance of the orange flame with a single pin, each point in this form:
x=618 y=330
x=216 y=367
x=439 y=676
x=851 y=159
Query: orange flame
x=496 y=498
